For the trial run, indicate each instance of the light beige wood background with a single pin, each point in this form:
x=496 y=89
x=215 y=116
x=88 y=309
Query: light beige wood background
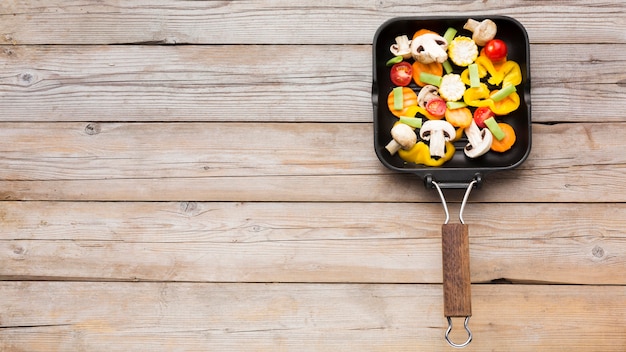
x=200 y=176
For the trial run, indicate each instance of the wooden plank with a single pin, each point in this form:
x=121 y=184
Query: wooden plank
x=307 y=242
x=272 y=22
x=60 y=316
x=281 y=162
x=321 y=83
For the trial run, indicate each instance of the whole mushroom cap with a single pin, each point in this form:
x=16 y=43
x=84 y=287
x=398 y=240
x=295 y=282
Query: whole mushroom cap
x=403 y=138
x=483 y=31
x=404 y=135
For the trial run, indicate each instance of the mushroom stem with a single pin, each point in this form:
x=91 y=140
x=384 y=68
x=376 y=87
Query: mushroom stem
x=393 y=147
x=437 y=144
x=471 y=25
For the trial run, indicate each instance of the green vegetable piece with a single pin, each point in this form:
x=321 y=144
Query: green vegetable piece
x=473 y=74
x=411 y=121
x=398 y=98
x=429 y=78
x=455 y=105
x=504 y=92
x=493 y=127
x=394 y=60
x=447 y=66
x=449 y=34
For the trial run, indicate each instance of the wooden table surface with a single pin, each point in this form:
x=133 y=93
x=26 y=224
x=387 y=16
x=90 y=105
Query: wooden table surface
x=200 y=176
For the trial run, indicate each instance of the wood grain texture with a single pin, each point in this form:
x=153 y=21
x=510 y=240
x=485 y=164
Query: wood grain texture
x=280 y=162
x=308 y=242
x=224 y=195
x=318 y=83
x=49 y=316
x=285 y=22
x=455 y=255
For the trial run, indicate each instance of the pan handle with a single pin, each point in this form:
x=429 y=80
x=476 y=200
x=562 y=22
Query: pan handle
x=457 y=299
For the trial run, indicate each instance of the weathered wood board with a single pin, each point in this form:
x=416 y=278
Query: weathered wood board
x=302 y=317
x=200 y=176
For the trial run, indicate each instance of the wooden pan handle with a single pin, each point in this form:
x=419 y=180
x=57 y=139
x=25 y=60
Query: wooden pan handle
x=457 y=298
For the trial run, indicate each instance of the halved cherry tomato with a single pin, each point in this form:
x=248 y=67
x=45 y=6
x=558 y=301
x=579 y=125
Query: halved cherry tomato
x=496 y=50
x=401 y=74
x=481 y=114
x=436 y=107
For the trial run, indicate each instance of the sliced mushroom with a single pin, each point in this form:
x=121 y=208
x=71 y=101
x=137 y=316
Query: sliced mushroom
x=403 y=138
x=402 y=47
x=438 y=132
x=426 y=93
x=483 y=31
x=428 y=48
x=479 y=140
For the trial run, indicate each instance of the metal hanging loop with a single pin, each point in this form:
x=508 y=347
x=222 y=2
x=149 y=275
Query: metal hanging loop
x=469 y=334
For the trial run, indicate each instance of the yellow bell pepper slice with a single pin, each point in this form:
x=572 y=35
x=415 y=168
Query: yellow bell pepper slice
x=507 y=73
x=465 y=76
x=479 y=97
x=506 y=105
x=420 y=154
x=476 y=96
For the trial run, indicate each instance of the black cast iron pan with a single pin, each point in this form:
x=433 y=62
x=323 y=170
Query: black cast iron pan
x=460 y=171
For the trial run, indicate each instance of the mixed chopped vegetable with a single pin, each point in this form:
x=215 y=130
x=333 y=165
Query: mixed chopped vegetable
x=463 y=87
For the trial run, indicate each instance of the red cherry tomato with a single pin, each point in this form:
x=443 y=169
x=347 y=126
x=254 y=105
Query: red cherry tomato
x=481 y=114
x=496 y=50
x=436 y=107
x=401 y=74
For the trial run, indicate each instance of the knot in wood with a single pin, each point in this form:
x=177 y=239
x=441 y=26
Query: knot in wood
x=597 y=252
x=19 y=252
x=92 y=129
x=188 y=207
x=26 y=79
